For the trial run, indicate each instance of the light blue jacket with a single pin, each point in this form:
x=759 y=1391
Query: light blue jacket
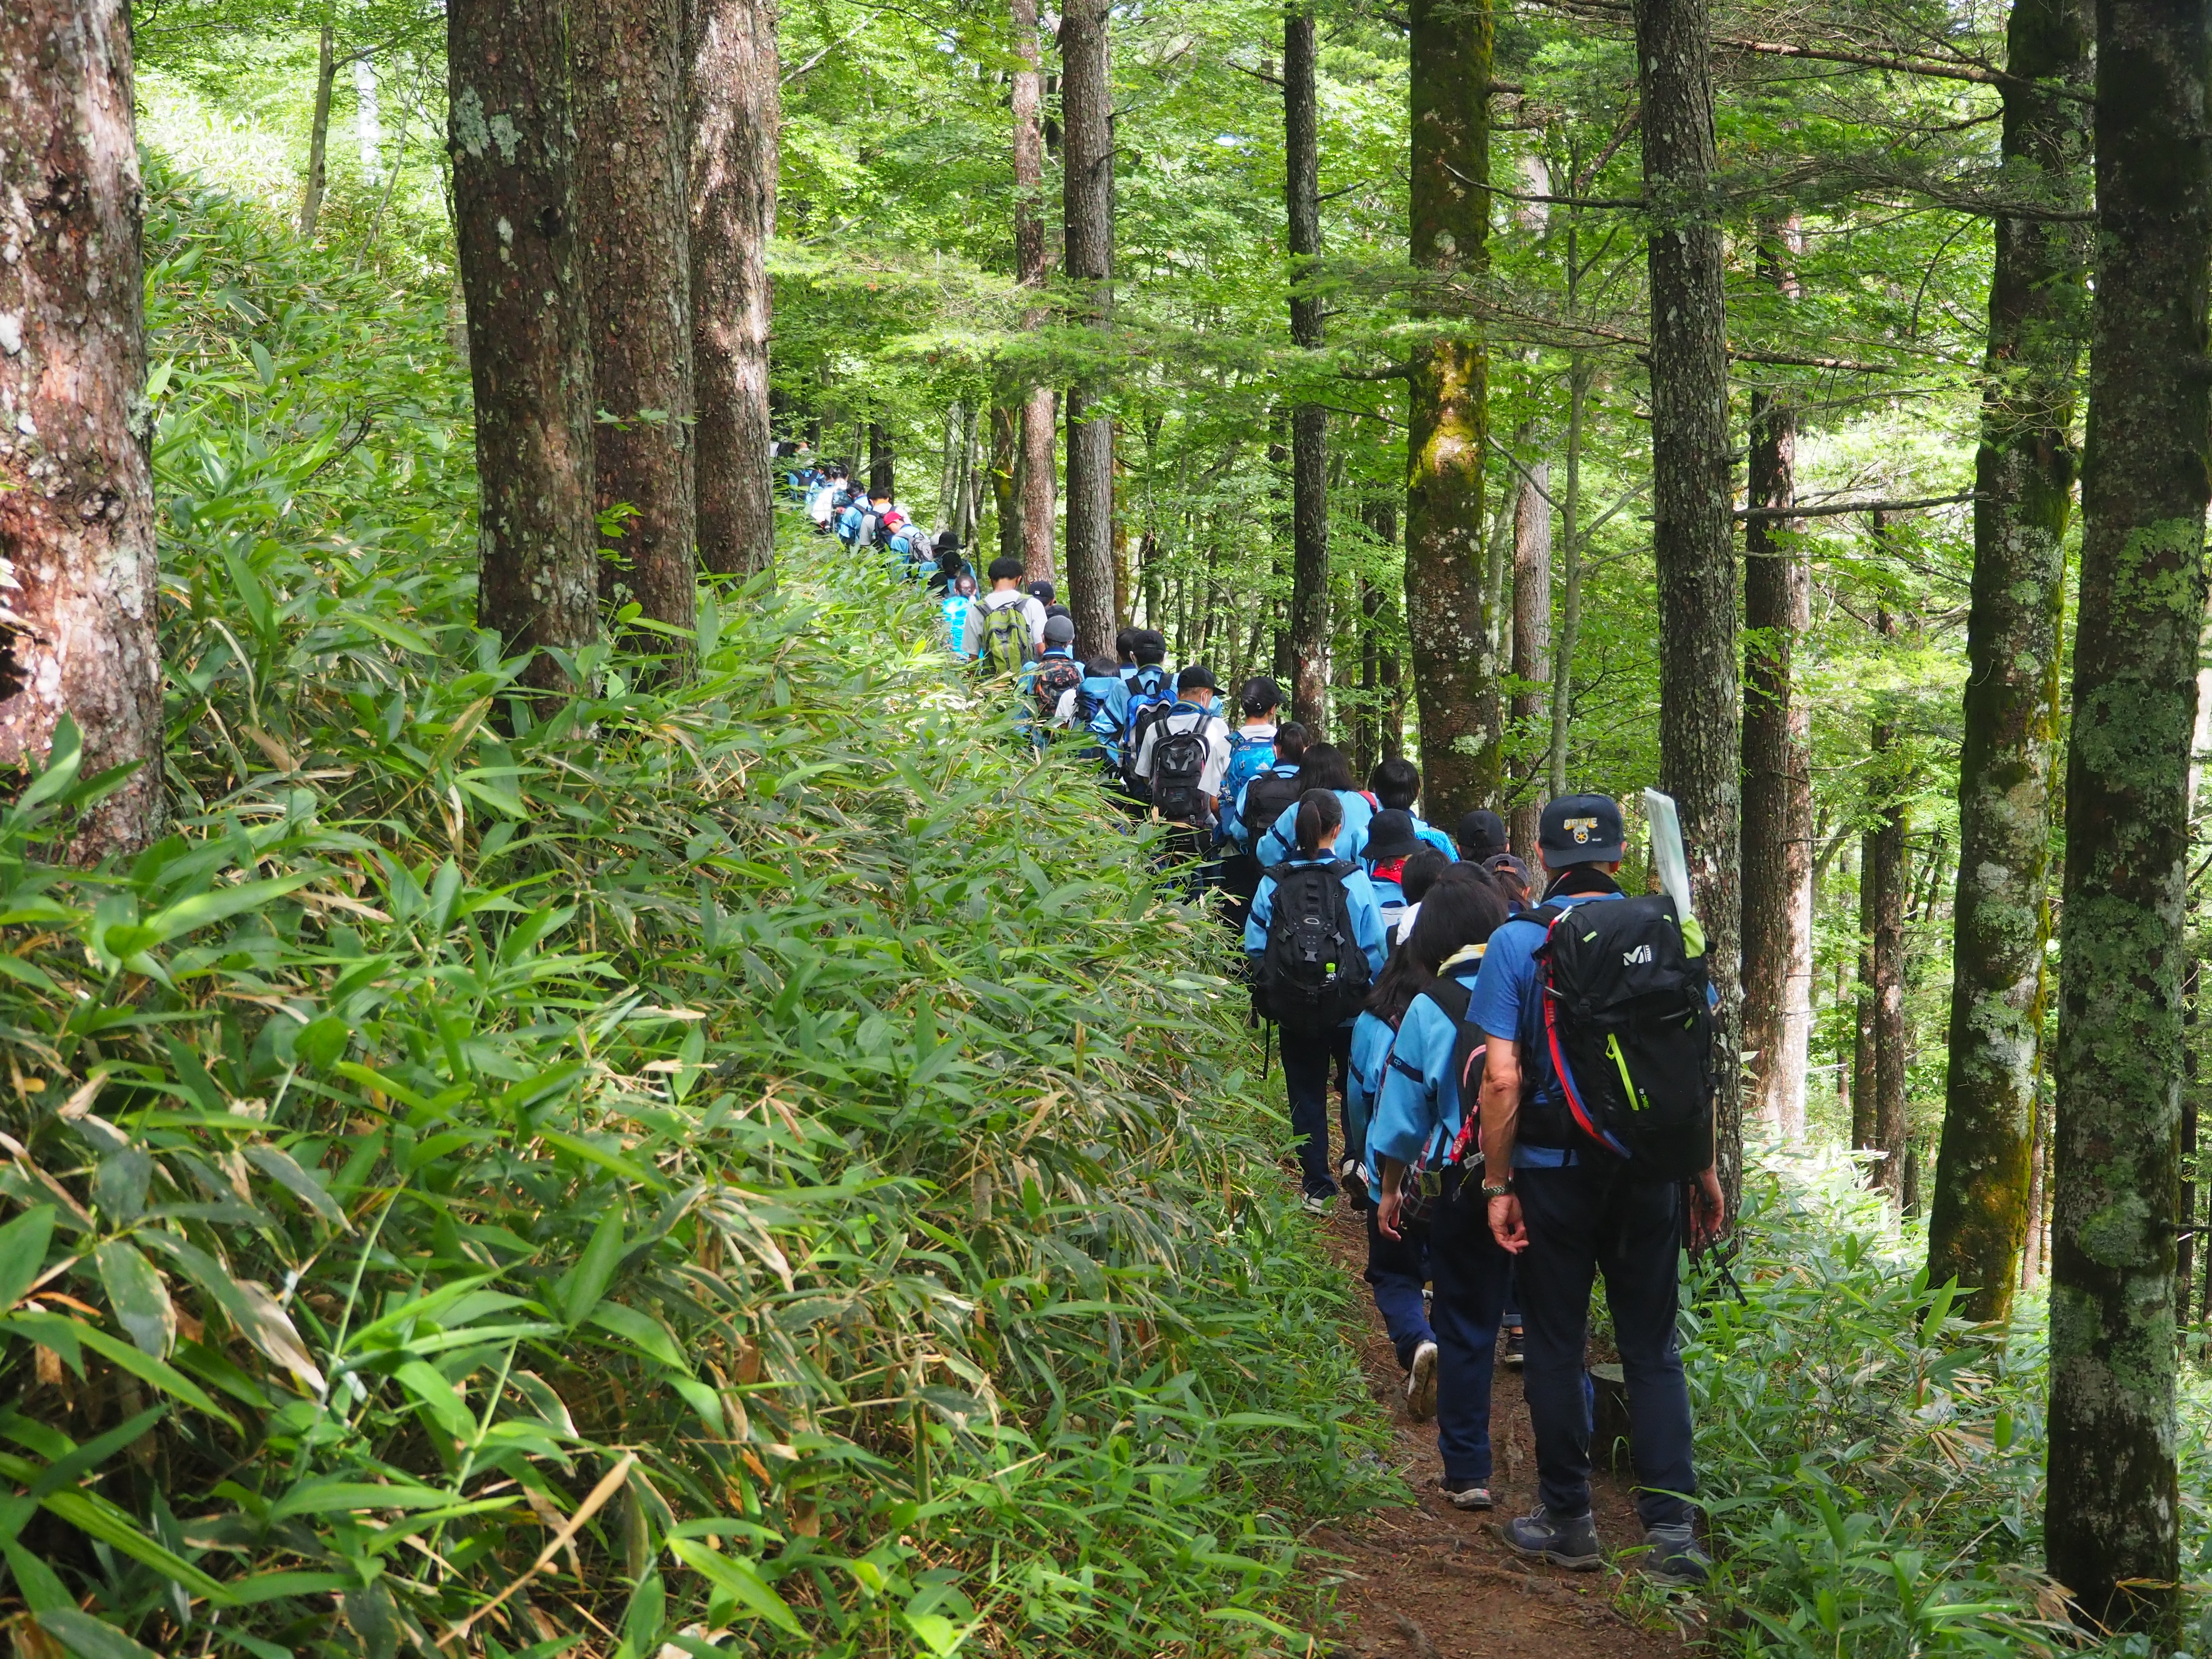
x=1358 y=811
x=1371 y=1038
x=1359 y=901
x=1419 y=1108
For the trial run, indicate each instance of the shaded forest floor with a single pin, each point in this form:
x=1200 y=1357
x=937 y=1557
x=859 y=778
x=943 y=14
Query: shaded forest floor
x=1432 y=1582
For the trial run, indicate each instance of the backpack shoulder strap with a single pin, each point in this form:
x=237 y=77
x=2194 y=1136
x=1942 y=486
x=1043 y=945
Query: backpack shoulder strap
x=1450 y=995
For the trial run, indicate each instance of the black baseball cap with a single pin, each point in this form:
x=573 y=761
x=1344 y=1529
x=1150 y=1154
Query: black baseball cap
x=1580 y=829
x=1390 y=835
x=1481 y=833
x=1196 y=677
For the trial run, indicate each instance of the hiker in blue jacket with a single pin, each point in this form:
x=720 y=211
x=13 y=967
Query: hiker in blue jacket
x=1398 y=1267
x=1396 y=783
x=1323 y=768
x=1308 y=1055
x=1391 y=838
x=1416 y=1154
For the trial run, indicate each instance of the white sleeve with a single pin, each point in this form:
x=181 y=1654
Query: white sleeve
x=971 y=631
x=1033 y=609
x=1216 y=758
x=1063 y=713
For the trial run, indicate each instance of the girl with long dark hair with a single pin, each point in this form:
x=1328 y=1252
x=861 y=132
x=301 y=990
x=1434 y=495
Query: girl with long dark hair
x=1421 y=1162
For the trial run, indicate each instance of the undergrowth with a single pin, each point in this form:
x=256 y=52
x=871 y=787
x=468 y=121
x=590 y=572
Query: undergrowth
x=1872 y=1462
x=752 y=1165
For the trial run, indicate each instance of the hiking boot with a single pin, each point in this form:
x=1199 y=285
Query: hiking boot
x=1674 y=1557
x=1468 y=1495
x=1508 y=1347
x=1320 y=1203
x=1421 y=1383
x=1564 y=1543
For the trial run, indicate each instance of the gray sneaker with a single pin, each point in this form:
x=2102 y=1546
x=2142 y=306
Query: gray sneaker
x=1674 y=1557
x=1571 y=1544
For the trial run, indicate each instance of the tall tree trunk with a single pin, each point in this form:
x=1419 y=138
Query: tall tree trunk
x=530 y=362
x=1447 y=409
x=735 y=109
x=1866 y=1134
x=1570 y=603
x=1087 y=205
x=1532 y=642
x=1040 y=405
x=883 y=475
x=2113 y=1503
x=1692 y=536
x=1887 y=876
x=1309 y=421
x=2024 y=483
x=77 y=498
x=1364 y=728
x=1007 y=462
x=1281 y=540
x=633 y=198
x=1777 y=762
x=318 y=132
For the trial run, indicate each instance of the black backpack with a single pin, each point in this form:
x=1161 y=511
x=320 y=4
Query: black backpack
x=1178 y=763
x=1264 y=798
x=1629 y=1033
x=1313 y=974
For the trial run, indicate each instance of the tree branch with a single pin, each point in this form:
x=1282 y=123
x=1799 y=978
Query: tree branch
x=1839 y=509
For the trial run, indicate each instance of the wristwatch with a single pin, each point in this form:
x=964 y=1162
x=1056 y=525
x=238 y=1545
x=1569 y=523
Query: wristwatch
x=1497 y=1188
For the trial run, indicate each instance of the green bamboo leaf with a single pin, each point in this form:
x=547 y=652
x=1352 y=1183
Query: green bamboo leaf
x=23 y=1252
x=583 y=1285
x=737 y=1574
x=89 y=1638
x=217 y=905
x=299 y=1182
x=64 y=1334
x=137 y=1296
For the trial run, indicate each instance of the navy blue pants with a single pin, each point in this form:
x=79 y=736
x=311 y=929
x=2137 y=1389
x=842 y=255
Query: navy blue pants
x=1397 y=1268
x=1306 y=1057
x=1585 y=1220
x=1470 y=1271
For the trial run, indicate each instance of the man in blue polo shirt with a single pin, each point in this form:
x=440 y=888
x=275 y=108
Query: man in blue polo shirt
x=1569 y=1209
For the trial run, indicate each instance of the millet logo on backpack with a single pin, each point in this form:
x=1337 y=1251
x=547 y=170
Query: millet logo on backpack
x=1641 y=953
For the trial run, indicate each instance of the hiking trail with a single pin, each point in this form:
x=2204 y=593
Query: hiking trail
x=1436 y=1582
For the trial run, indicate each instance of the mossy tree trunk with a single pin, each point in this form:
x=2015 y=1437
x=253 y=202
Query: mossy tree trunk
x=2112 y=1501
x=1532 y=644
x=76 y=499
x=318 y=132
x=2024 y=483
x=1309 y=628
x=1692 y=536
x=1448 y=416
x=514 y=144
x=1087 y=208
x=633 y=192
x=735 y=109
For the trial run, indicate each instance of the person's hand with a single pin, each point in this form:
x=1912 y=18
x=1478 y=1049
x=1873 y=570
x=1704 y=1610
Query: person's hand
x=1386 y=1212
x=1708 y=1210
x=1506 y=1225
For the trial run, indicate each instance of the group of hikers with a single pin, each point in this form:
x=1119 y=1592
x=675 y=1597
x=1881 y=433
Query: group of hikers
x=1521 y=1056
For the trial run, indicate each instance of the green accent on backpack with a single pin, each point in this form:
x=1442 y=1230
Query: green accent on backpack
x=1006 y=644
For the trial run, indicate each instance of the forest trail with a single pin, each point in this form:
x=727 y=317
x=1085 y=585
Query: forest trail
x=1435 y=1582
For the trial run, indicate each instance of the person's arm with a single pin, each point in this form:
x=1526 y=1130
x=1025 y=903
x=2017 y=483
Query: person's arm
x=1255 y=921
x=1501 y=1111
x=1033 y=613
x=1367 y=929
x=971 y=626
x=1406 y=1110
x=1275 y=845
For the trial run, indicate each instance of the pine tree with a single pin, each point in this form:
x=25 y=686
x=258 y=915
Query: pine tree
x=1086 y=95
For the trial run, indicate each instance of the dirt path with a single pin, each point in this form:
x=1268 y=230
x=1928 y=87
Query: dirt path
x=1434 y=1583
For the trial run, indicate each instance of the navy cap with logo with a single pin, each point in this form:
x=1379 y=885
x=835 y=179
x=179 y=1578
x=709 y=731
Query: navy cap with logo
x=1580 y=829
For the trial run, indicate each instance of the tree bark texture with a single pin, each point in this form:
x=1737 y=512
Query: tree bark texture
x=1866 y=1136
x=883 y=472
x=1886 y=876
x=1448 y=417
x=514 y=141
x=2024 y=481
x=633 y=196
x=1532 y=644
x=76 y=503
x=735 y=109
x=1040 y=408
x=1777 y=783
x=1692 y=534
x=1310 y=629
x=1087 y=207
x=318 y=132
x=2112 y=1498
x=1007 y=478
x=1571 y=568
